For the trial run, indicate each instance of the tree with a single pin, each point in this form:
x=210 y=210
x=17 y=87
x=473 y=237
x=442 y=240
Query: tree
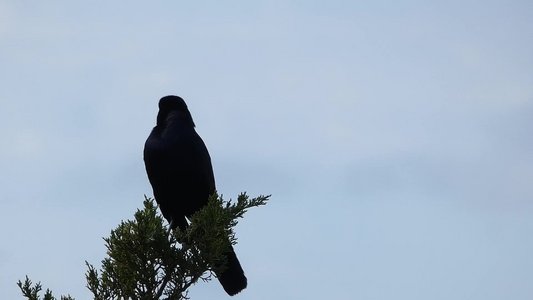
x=146 y=261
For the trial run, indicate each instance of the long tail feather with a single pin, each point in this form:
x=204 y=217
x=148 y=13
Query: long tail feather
x=232 y=279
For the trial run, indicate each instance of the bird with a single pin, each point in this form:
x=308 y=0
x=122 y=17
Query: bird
x=180 y=172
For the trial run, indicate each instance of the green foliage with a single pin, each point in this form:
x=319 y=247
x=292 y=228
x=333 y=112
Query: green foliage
x=144 y=261
x=31 y=292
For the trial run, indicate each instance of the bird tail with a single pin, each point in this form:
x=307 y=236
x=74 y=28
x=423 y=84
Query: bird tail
x=232 y=278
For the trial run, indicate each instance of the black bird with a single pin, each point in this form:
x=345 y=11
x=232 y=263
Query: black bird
x=180 y=172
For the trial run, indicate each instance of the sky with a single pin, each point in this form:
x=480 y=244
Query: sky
x=394 y=137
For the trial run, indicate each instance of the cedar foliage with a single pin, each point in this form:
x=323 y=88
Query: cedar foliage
x=146 y=261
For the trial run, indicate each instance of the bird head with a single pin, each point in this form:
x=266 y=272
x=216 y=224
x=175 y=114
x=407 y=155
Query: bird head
x=171 y=107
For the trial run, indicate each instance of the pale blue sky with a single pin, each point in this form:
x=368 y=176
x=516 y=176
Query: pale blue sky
x=395 y=137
